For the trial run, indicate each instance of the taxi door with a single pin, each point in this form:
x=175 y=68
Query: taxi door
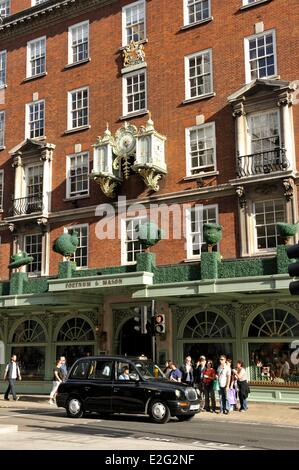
x=98 y=386
x=128 y=395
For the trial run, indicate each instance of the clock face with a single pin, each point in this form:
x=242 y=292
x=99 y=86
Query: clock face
x=126 y=142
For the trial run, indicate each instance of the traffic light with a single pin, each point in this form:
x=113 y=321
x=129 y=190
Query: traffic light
x=141 y=319
x=293 y=268
x=159 y=326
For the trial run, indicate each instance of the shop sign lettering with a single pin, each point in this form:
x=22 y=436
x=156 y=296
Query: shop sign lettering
x=93 y=284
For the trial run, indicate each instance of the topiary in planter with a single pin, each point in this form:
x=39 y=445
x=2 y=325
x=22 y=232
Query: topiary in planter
x=149 y=234
x=212 y=234
x=286 y=231
x=66 y=244
x=20 y=259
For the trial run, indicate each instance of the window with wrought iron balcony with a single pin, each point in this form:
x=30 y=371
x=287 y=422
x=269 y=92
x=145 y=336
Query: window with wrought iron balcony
x=33 y=201
x=263 y=115
x=267 y=153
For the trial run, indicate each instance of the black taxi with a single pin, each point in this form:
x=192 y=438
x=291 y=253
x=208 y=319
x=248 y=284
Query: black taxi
x=118 y=384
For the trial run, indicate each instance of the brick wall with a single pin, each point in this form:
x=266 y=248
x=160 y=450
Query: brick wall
x=165 y=52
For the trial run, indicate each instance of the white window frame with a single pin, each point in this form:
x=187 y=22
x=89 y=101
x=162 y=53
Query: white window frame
x=249 y=126
x=187 y=74
x=265 y=250
x=3 y=69
x=40 y=173
x=34 y=273
x=247 y=57
x=124 y=241
x=5 y=6
x=78 y=227
x=1 y=189
x=77 y=194
x=125 y=92
x=189 y=241
x=124 y=20
x=29 y=68
x=188 y=149
x=2 y=129
x=186 y=13
x=27 y=126
x=70 y=42
x=70 y=111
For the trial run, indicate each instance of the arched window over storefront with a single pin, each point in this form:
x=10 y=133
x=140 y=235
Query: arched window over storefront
x=207 y=333
x=272 y=335
x=29 y=344
x=75 y=339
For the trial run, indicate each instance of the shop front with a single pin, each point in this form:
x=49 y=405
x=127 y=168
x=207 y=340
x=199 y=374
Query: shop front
x=265 y=338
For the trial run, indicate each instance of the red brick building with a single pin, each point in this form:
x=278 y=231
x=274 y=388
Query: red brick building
x=219 y=79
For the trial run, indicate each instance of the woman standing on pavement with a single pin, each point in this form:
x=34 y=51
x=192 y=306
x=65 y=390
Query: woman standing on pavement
x=208 y=380
x=241 y=376
x=57 y=379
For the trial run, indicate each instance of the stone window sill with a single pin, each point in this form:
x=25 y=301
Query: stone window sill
x=260 y=2
x=144 y=41
x=197 y=23
x=77 y=129
x=2 y=147
x=135 y=114
x=76 y=64
x=35 y=77
x=201 y=175
x=76 y=198
x=199 y=98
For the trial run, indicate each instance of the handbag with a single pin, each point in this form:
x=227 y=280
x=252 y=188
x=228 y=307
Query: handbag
x=216 y=386
x=231 y=396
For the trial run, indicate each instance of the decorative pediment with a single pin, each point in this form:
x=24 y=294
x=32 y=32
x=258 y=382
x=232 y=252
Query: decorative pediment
x=32 y=148
x=262 y=88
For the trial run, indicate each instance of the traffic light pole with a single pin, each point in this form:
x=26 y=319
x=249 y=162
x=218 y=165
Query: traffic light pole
x=153 y=335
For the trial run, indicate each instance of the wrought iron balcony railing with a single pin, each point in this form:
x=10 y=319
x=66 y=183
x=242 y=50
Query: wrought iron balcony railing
x=262 y=163
x=27 y=205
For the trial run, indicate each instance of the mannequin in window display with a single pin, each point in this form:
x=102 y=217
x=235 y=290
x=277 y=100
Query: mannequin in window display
x=255 y=367
x=285 y=369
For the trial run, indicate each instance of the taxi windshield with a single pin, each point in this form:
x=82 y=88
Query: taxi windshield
x=149 y=370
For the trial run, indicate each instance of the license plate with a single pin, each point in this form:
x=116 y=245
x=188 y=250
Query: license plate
x=194 y=407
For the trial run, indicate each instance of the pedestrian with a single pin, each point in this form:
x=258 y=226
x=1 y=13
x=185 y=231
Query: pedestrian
x=167 y=369
x=199 y=372
x=63 y=367
x=208 y=380
x=57 y=379
x=187 y=371
x=12 y=373
x=224 y=377
x=243 y=387
x=175 y=374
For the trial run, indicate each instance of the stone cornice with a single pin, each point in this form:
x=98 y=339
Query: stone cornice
x=168 y=198
x=46 y=14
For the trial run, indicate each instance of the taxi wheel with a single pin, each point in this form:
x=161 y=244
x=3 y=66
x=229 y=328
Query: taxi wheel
x=74 y=408
x=159 y=412
x=185 y=417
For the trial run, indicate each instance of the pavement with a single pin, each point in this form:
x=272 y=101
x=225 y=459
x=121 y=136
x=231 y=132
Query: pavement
x=263 y=413
x=35 y=425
